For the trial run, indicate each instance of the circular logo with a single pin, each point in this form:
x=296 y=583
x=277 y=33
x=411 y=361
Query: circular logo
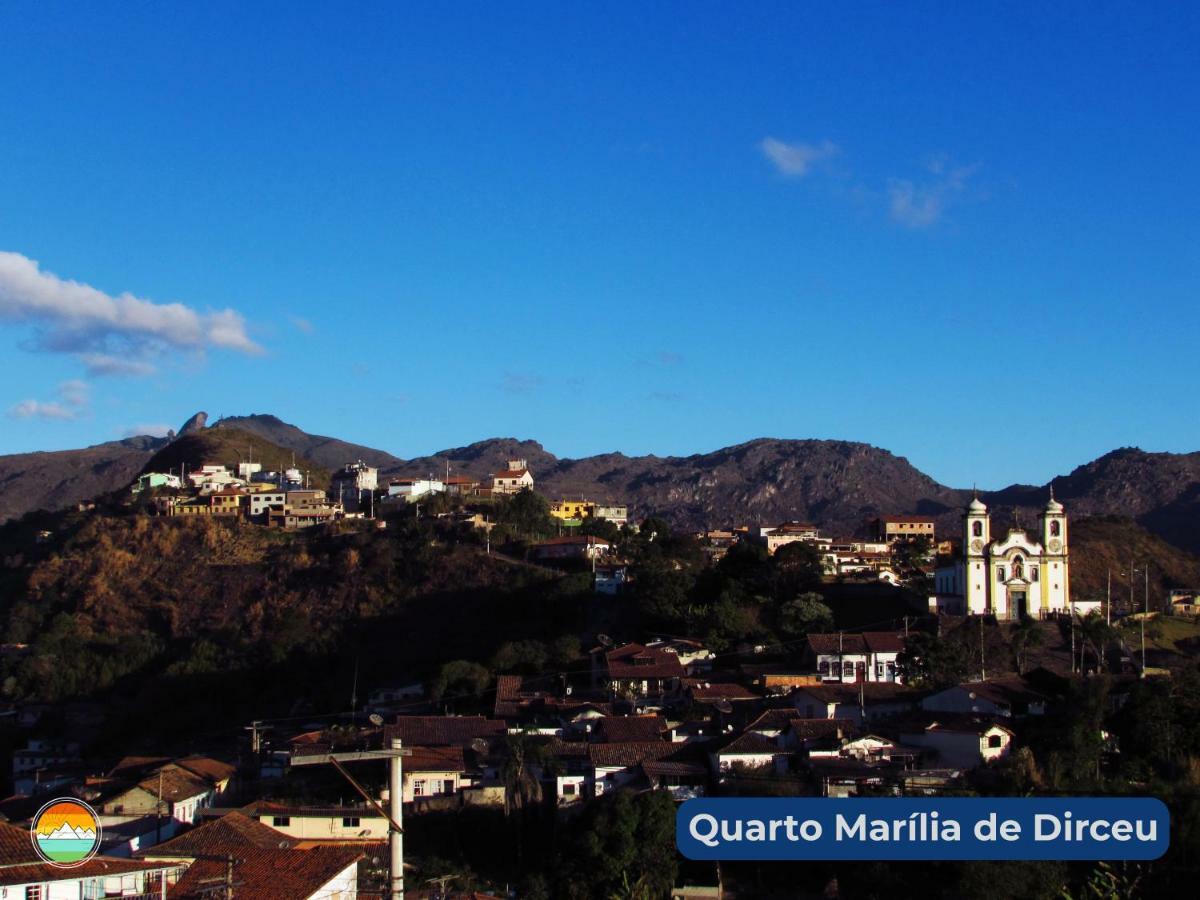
x=66 y=832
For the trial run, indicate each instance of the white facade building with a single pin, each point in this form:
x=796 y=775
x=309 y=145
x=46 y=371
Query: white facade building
x=1011 y=577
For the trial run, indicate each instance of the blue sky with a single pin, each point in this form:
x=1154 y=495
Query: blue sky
x=968 y=235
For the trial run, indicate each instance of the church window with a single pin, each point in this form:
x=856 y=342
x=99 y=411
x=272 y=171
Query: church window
x=1000 y=573
x=1055 y=528
x=1018 y=567
x=977 y=529
x=1033 y=573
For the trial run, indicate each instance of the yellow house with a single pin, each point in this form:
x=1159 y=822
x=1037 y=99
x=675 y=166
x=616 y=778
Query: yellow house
x=572 y=509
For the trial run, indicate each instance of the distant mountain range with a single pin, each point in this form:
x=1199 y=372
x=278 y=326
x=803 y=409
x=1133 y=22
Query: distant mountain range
x=836 y=484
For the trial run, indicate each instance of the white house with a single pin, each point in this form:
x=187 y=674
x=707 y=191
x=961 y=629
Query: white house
x=1005 y=697
x=870 y=656
x=25 y=876
x=961 y=742
x=856 y=703
x=750 y=749
x=321 y=823
x=412 y=489
x=513 y=479
x=262 y=502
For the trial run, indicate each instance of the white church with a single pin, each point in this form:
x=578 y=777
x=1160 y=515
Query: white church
x=1016 y=576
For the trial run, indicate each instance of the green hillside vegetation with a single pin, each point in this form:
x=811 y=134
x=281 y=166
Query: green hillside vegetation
x=222 y=444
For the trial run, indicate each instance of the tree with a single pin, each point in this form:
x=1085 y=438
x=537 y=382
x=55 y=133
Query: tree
x=525 y=657
x=526 y=514
x=1026 y=635
x=804 y=615
x=460 y=676
x=623 y=845
x=798 y=567
x=931 y=661
x=1095 y=633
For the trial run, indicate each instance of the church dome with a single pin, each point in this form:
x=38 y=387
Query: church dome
x=1053 y=506
x=976 y=506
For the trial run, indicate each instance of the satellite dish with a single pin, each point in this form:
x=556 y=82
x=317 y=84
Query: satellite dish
x=376 y=719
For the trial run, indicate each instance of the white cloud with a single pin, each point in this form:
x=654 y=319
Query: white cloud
x=796 y=160
x=36 y=409
x=75 y=393
x=111 y=335
x=921 y=204
x=99 y=364
x=73 y=400
x=302 y=324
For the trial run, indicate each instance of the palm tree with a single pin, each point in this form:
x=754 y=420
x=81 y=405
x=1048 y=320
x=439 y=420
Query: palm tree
x=1095 y=634
x=522 y=788
x=1027 y=634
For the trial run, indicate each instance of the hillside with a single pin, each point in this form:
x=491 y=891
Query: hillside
x=836 y=484
x=226 y=444
x=1101 y=544
x=326 y=452
x=63 y=478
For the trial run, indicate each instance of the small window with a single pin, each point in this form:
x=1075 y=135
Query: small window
x=281 y=821
x=977 y=529
x=1000 y=573
x=33 y=892
x=994 y=742
x=1033 y=573
x=418 y=789
x=350 y=822
x=1055 y=528
x=569 y=789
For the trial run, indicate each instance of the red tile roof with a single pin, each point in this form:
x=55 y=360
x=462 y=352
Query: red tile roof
x=268 y=874
x=773 y=720
x=633 y=753
x=636 y=661
x=230 y=833
x=441 y=731
x=705 y=692
x=867 y=642
x=20 y=864
x=626 y=729
x=435 y=759
x=750 y=743
x=175 y=784
x=214 y=770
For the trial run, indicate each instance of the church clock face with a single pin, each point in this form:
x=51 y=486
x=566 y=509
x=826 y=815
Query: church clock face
x=976 y=545
x=1055 y=545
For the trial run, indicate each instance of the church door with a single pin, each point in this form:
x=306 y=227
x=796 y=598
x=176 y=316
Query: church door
x=1019 y=605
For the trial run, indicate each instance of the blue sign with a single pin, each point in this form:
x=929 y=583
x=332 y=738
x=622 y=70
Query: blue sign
x=923 y=828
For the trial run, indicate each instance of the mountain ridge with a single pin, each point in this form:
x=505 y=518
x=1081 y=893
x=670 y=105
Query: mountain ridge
x=837 y=484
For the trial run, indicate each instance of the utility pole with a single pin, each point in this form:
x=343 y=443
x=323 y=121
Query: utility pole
x=1071 y=619
x=982 y=656
x=1108 y=603
x=395 y=833
x=1145 y=615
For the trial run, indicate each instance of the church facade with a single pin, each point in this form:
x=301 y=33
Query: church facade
x=1017 y=575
